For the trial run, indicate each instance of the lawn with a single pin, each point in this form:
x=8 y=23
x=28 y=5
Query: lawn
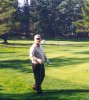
x=67 y=75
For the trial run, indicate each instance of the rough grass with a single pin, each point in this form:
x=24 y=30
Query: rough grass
x=67 y=75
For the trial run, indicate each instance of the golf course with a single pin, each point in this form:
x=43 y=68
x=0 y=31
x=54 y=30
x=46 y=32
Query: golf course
x=66 y=76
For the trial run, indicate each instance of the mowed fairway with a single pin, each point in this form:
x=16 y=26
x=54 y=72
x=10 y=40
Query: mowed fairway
x=67 y=75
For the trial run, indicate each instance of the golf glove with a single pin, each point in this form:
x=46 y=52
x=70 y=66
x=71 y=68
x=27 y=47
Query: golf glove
x=47 y=61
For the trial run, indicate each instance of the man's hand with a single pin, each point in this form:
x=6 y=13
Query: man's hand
x=39 y=61
x=47 y=61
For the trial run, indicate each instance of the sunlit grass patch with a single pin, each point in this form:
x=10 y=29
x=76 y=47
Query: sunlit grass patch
x=67 y=75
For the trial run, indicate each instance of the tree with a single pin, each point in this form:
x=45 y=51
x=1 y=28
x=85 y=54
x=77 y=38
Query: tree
x=45 y=15
x=26 y=19
x=69 y=11
x=83 y=24
x=54 y=18
x=34 y=17
x=6 y=11
x=16 y=21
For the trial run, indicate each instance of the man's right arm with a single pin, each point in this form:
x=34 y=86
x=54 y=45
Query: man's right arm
x=33 y=57
x=32 y=54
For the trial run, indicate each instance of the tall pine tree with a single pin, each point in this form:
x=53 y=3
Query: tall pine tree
x=26 y=19
x=6 y=11
x=83 y=24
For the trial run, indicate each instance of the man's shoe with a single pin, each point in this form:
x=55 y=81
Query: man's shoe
x=34 y=88
x=39 y=91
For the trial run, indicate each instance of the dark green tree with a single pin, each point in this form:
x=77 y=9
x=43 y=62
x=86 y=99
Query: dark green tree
x=83 y=24
x=26 y=19
x=54 y=18
x=6 y=11
x=69 y=11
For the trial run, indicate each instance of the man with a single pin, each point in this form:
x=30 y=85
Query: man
x=38 y=58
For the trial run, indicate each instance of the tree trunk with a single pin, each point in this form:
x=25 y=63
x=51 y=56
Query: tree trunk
x=5 y=37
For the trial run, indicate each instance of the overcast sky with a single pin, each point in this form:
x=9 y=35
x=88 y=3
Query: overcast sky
x=21 y=2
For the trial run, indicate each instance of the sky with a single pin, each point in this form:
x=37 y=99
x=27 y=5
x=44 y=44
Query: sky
x=21 y=2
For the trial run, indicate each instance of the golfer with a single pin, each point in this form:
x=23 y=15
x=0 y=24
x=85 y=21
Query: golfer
x=38 y=58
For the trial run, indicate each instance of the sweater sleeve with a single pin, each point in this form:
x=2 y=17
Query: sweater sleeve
x=32 y=54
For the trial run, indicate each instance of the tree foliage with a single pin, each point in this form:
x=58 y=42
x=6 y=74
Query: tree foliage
x=55 y=17
x=6 y=11
x=83 y=24
x=50 y=18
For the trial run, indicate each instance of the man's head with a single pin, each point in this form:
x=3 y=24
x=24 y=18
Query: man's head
x=37 y=39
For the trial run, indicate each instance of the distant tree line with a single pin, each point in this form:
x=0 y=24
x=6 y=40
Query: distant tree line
x=50 y=18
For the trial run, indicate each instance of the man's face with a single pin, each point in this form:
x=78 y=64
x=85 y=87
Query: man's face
x=37 y=40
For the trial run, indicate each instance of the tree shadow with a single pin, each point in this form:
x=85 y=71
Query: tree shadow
x=7 y=52
x=69 y=91
x=16 y=44
x=85 y=52
x=68 y=94
x=1 y=88
x=20 y=65
x=61 y=61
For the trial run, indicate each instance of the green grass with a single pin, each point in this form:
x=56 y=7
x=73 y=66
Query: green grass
x=67 y=75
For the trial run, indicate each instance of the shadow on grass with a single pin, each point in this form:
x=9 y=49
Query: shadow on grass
x=16 y=44
x=49 y=95
x=61 y=61
x=1 y=88
x=7 y=52
x=20 y=65
x=85 y=52
x=25 y=65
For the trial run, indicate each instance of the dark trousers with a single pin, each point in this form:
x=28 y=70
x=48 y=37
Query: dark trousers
x=39 y=74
